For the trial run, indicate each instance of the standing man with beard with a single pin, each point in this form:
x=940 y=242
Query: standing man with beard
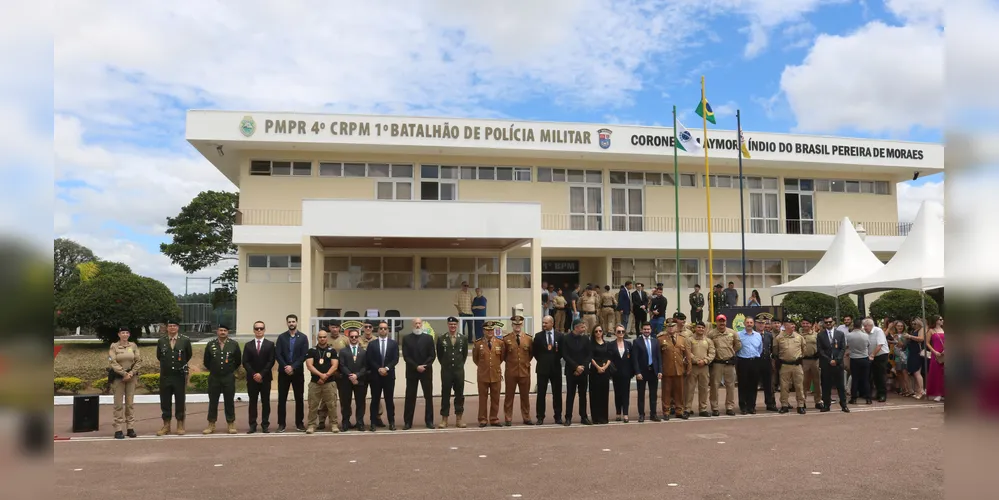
x=291 y=350
x=488 y=355
x=419 y=354
x=548 y=354
x=578 y=354
x=337 y=342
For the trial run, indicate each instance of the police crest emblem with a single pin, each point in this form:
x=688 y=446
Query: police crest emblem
x=604 y=134
x=739 y=322
x=247 y=126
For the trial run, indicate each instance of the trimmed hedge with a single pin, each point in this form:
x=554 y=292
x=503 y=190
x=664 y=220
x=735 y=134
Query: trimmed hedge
x=151 y=381
x=102 y=384
x=69 y=384
x=200 y=381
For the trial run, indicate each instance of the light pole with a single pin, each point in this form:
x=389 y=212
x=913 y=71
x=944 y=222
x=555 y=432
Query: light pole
x=860 y=296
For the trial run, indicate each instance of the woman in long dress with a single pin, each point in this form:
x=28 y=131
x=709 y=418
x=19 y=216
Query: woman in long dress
x=935 y=372
x=599 y=378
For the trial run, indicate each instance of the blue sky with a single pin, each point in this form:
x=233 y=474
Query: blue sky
x=803 y=66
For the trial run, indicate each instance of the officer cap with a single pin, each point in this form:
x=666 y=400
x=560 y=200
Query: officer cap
x=124 y=328
x=659 y=285
x=764 y=316
x=172 y=322
x=517 y=319
x=351 y=324
x=452 y=319
x=787 y=319
x=496 y=324
x=679 y=315
x=718 y=285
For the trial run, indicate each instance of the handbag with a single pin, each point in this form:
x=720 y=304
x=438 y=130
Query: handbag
x=939 y=358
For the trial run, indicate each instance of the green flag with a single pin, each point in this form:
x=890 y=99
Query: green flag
x=711 y=113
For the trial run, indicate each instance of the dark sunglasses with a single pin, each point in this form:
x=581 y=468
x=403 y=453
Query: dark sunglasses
x=354 y=336
x=383 y=328
x=619 y=331
x=258 y=328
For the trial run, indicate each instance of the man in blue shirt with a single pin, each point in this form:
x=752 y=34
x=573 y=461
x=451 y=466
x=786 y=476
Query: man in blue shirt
x=747 y=367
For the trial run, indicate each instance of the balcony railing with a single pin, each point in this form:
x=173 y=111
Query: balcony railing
x=268 y=217
x=568 y=222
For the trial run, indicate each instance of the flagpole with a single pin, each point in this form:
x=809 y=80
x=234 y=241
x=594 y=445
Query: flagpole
x=742 y=206
x=707 y=185
x=676 y=209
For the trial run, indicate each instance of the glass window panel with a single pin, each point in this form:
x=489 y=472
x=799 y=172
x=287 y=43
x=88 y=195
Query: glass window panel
x=881 y=187
x=435 y=281
x=303 y=168
x=618 y=202
x=664 y=179
x=867 y=187
x=279 y=261
x=522 y=174
x=398 y=264
x=384 y=191
x=295 y=261
x=807 y=208
x=353 y=170
x=260 y=167
x=434 y=264
x=403 y=171
x=822 y=185
x=428 y=171
x=837 y=186
x=330 y=169
x=430 y=190
x=619 y=223
x=368 y=280
x=737 y=279
x=790 y=184
x=576 y=176
x=489 y=280
x=558 y=175
x=770 y=281
x=366 y=264
x=724 y=181
x=454 y=279
x=281 y=168
x=772 y=266
x=378 y=170
x=449 y=172
x=468 y=173
x=448 y=191
x=795 y=267
x=404 y=190
x=256 y=260
x=688 y=180
x=518 y=281
x=618 y=177
x=770 y=183
x=487 y=265
x=577 y=203
x=635 y=201
x=665 y=266
x=487 y=173
x=336 y=264
x=637 y=178
x=735 y=266
x=577 y=222
x=594 y=177
x=806 y=184
x=668 y=281
x=635 y=223
x=518 y=265
x=754 y=182
x=689 y=266
x=504 y=173
x=852 y=187
x=462 y=265
x=594 y=200
x=544 y=174
x=397 y=280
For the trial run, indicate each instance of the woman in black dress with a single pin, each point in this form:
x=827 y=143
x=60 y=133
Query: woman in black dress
x=620 y=356
x=599 y=377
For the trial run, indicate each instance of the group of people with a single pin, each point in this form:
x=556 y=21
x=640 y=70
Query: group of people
x=350 y=363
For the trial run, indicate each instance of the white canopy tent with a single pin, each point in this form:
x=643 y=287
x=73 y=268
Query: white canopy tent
x=847 y=260
x=919 y=262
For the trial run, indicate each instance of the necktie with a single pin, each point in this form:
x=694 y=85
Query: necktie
x=354 y=349
x=173 y=342
x=258 y=347
x=648 y=349
x=551 y=338
x=518 y=339
x=490 y=343
x=383 y=351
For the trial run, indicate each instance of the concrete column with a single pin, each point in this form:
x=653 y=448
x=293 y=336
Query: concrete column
x=307 y=312
x=318 y=277
x=609 y=275
x=503 y=303
x=532 y=308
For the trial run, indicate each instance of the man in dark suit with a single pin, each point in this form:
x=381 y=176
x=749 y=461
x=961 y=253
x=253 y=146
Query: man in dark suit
x=258 y=361
x=548 y=367
x=831 y=345
x=354 y=377
x=418 y=352
x=624 y=304
x=291 y=350
x=578 y=353
x=382 y=356
x=648 y=365
x=640 y=304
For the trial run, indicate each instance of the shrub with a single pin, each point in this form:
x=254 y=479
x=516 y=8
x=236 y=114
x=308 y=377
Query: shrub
x=814 y=306
x=151 y=381
x=110 y=300
x=69 y=384
x=200 y=381
x=902 y=304
x=102 y=384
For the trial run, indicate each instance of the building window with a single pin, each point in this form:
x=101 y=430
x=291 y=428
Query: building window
x=797 y=268
x=438 y=183
x=799 y=206
x=586 y=208
x=273 y=268
x=373 y=170
x=520 y=174
x=650 y=178
x=480 y=272
x=394 y=190
x=281 y=168
x=760 y=274
x=851 y=186
x=764 y=205
x=365 y=273
x=652 y=271
x=547 y=174
x=627 y=208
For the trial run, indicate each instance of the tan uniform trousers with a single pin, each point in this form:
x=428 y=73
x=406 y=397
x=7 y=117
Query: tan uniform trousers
x=608 y=319
x=324 y=393
x=673 y=395
x=698 y=379
x=590 y=320
x=810 y=367
x=559 y=320
x=124 y=393
x=489 y=392
x=718 y=372
x=512 y=384
x=792 y=374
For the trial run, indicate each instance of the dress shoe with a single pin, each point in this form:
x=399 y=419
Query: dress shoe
x=641 y=418
x=818 y=406
x=496 y=424
x=852 y=401
x=558 y=421
x=280 y=429
x=715 y=413
x=870 y=402
x=360 y=426
x=265 y=430
x=704 y=414
x=253 y=429
x=772 y=408
x=685 y=415
x=379 y=423
x=482 y=425
x=585 y=421
x=300 y=428
x=783 y=410
x=430 y=425
x=541 y=421
x=507 y=423
x=655 y=418
x=752 y=411
x=568 y=422
x=731 y=413
x=407 y=427
x=665 y=417
x=391 y=427
x=130 y=433
x=824 y=409
x=528 y=422
x=846 y=409
x=119 y=435
x=801 y=410
x=618 y=419
x=372 y=428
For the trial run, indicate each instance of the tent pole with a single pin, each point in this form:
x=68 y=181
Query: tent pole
x=926 y=340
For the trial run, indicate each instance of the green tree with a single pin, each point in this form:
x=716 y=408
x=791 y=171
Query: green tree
x=902 y=304
x=815 y=306
x=202 y=237
x=107 y=301
x=90 y=270
x=68 y=254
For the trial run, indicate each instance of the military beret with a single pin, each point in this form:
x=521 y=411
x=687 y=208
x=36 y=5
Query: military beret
x=659 y=285
x=452 y=319
x=516 y=319
x=124 y=329
x=222 y=327
x=351 y=324
x=172 y=322
x=718 y=285
x=679 y=315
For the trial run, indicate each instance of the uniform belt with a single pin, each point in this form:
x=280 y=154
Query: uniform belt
x=728 y=361
x=794 y=363
x=811 y=357
x=585 y=313
x=608 y=307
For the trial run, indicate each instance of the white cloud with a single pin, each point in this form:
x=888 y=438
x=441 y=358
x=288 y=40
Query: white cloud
x=972 y=60
x=910 y=197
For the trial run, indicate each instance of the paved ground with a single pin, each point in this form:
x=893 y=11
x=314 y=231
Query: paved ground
x=768 y=456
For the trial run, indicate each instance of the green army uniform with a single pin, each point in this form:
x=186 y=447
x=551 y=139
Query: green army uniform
x=696 y=300
x=718 y=301
x=452 y=355
x=222 y=361
x=173 y=378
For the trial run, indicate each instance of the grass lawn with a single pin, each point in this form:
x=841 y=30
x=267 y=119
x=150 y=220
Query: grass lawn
x=89 y=362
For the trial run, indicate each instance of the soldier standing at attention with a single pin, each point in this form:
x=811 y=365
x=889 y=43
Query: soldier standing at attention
x=588 y=308
x=173 y=352
x=337 y=342
x=810 y=363
x=789 y=349
x=418 y=353
x=578 y=353
x=702 y=353
x=676 y=366
x=322 y=362
x=559 y=305
x=718 y=299
x=696 y=305
x=125 y=361
x=452 y=351
x=518 y=370
x=723 y=367
x=608 y=305
x=222 y=358
x=488 y=355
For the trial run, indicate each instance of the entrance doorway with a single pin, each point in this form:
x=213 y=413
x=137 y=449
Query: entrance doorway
x=560 y=273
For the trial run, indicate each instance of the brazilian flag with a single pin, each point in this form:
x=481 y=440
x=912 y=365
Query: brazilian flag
x=700 y=111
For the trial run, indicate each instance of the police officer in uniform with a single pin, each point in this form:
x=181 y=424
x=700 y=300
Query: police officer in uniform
x=727 y=343
x=322 y=362
x=452 y=351
x=518 y=370
x=676 y=365
x=222 y=358
x=173 y=352
x=696 y=305
x=790 y=349
x=608 y=306
x=810 y=363
x=488 y=355
x=124 y=358
x=588 y=308
x=702 y=353
x=337 y=342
